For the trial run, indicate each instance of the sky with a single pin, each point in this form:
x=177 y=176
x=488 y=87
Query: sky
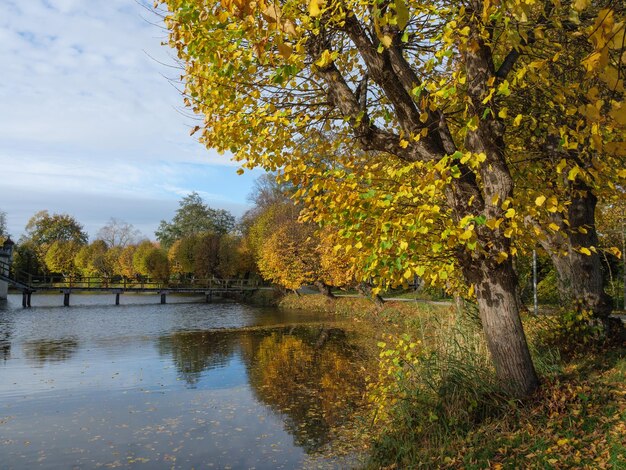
x=91 y=123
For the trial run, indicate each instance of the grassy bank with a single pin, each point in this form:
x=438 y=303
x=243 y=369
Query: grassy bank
x=434 y=402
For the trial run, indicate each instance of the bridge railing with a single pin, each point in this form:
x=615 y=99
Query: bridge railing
x=119 y=282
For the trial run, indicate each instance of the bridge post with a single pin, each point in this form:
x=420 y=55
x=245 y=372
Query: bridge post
x=208 y=296
x=163 y=297
x=117 y=298
x=24 y=299
x=66 y=298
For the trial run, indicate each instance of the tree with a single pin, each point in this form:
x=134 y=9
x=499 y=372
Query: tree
x=288 y=256
x=125 y=262
x=182 y=254
x=3 y=227
x=564 y=161
x=140 y=255
x=414 y=85
x=60 y=257
x=97 y=259
x=231 y=257
x=157 y=265
x=118 y=233
x=151 y=261
x=44 y=229
x=26 y=261
x=194 y=217
x=206 y=255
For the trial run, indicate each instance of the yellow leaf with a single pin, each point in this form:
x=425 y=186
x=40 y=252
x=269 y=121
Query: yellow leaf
x=403 y=13
x=272 y=13
x=615 y=148
x=466 y=235
x=386 y=40
x=517 y=120
x=593 y=61
x=618 y=113
x=580 y=5
x=289 y=28
x=285 y=50
x=509 y=214
x=540 y=200
x=314 y=8
x=554 y=227
x=408 y=274
x=491 y=223
x=325 y=59
x=573 y=173
x=615 y=251
x=585 y=251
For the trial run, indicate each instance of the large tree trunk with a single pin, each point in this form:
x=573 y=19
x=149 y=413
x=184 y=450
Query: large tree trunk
x=495 y=283
x=496 y=293
x=366 y=291
x=324 y=289
x=580 y=276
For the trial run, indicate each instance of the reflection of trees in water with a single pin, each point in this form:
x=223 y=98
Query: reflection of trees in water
x=6 y=331
x=312 y=375
x=194 y=352
x=41 y=351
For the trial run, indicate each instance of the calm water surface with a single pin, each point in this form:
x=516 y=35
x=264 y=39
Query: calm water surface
x=181 y=385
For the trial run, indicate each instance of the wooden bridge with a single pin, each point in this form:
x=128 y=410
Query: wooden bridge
x=29 y=284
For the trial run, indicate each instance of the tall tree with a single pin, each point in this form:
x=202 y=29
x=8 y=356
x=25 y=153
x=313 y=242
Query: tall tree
x=60 y=232
x=97 y=259
x=60 y=257
x=384 y=76
x=44 y=229
x=194 y=217
x=117 y=233
x=422 y=88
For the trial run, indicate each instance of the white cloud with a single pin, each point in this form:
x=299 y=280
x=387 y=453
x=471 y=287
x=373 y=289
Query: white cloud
x=86 y=108
x=86 y=76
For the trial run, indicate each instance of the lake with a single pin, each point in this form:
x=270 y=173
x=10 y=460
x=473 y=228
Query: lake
x=182 y=385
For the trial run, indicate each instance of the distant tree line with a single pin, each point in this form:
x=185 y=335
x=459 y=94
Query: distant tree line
x=272 y=241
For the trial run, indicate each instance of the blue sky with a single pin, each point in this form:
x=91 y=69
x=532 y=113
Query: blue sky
x=89 y=123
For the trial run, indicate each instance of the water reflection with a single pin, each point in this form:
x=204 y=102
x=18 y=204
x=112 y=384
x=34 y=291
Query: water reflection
x=194 y=352
x=41 y=351
x=311 y=375
x=6 y=330
x=185 y=385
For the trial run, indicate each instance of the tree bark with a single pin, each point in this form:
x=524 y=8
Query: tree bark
x=366 y=291
x=324 y=289
x=495 y=287
x=495 y=283
x=580 y=276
